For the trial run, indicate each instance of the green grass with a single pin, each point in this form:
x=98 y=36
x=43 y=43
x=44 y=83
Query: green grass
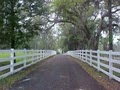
x=116 y=74
x=4 y=63
x=4 y=55
x=7 y=55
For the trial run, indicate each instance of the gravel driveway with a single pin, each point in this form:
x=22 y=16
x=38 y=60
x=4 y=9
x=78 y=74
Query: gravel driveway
x=58 y=73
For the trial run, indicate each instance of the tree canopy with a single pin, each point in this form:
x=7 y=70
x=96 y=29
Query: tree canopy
x=90 y=18
x=25 y=23
x=18 y=22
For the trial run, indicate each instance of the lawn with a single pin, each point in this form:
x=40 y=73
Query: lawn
x=19 y=58
x=5 y=55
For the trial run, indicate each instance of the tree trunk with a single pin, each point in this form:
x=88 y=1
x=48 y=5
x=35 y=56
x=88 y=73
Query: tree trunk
x=96 y=43
x=13 y=27
x=110 y=26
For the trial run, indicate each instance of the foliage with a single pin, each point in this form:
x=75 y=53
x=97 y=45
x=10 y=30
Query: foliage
x=17 y=21
x=43 y=41
x=85 y=16
x=79 y=14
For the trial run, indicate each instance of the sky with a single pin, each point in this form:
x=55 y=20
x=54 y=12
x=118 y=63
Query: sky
x=115 y=38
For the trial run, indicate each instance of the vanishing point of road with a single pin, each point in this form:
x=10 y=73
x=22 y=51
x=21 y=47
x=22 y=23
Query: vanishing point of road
x=58 y=73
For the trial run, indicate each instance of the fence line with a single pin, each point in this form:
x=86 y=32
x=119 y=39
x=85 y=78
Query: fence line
x=23 y=58
x=107 y=62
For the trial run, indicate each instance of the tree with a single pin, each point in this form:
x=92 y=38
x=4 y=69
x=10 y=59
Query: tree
x=110 y=25
x=79 y=13
x=68 y=38
x=83 y=14
x=17 y=24
x=43 y=41
x=111 y=9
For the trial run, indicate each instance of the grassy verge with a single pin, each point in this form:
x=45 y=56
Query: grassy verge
x=4 y=55
x=7 y=55
x=101 y=78
x=7 y=82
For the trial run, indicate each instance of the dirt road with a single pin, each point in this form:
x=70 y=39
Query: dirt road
x=58 y=73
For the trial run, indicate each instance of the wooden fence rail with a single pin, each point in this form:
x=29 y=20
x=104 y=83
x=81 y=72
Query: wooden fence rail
x=23 y=58
x=107 y=62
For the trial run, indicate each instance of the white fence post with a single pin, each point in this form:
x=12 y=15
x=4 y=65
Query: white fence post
x=25 y=57
x=79 y=54
x=90 y=57
x=82 y=55
x=37 y=57
x=98 y=60
x=12 y=61
x=110 y=64
x=33 y=55
x=42 y=54
x=45 y=53
x=86 y=56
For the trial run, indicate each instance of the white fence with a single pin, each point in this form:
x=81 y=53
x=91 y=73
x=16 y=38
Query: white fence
x=24 y=58
x=107 y=62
